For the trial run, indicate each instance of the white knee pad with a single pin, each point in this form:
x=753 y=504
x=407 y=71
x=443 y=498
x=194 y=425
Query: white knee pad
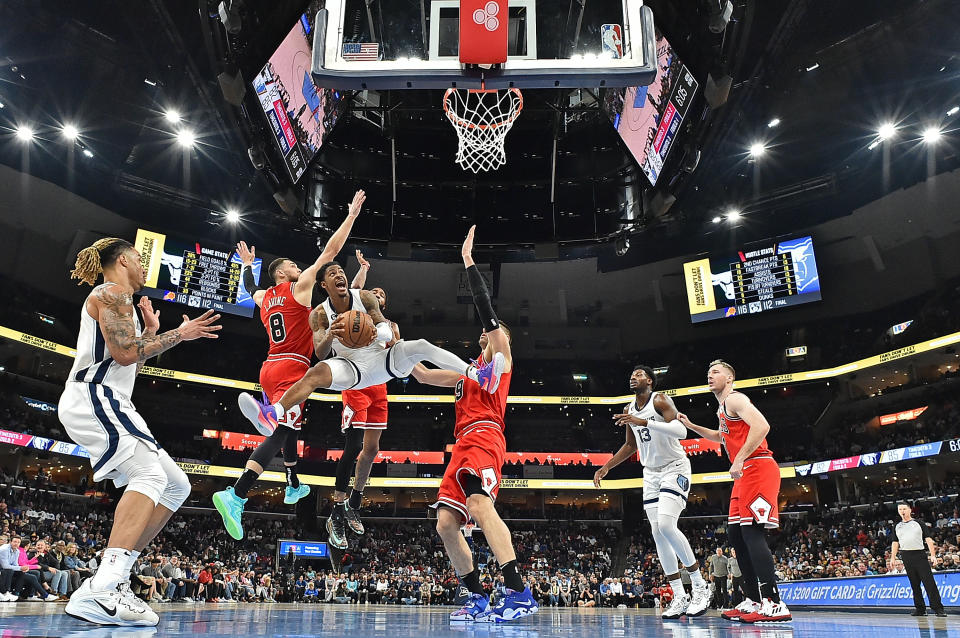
x=178 y=485
x=667 y=526
x=144 y=473
x=665 y=552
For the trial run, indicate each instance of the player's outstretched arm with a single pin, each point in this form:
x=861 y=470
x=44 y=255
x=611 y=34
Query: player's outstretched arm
x=113 y=308
x=303 y=289
x=437 y=377
x=385 y=332
x=360 y=279
x=247 y=256
x=665 y=407
x=481 y=298
x=628 y=449
x=707 y=433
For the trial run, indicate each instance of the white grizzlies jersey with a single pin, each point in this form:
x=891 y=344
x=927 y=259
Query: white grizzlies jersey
x=93 y=363
x=656 y=449
x=337 y=349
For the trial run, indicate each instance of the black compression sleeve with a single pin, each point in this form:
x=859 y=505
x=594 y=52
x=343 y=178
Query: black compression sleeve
x=248 y=281
x=481 y=298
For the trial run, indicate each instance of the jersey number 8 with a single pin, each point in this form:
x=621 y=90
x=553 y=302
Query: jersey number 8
x=278 y=331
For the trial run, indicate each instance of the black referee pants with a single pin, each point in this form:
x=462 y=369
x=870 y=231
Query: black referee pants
x=918 y=570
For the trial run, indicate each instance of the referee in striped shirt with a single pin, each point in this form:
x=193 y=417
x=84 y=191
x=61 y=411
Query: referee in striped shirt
x=911 y=535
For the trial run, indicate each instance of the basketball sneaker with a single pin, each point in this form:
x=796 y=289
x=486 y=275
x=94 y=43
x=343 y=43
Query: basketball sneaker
x=109 y=607
x=700 y=599
x=230 y=507
x=337 y=527
x=769 y=612
x=677 y=607
x=489 y=375
x=293 y=494
x=516 y=604
x=744 y=608
x=475 y=605
x=353 y=519
x=261 y=414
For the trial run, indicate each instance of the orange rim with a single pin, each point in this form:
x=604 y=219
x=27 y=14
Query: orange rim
x=456 y=120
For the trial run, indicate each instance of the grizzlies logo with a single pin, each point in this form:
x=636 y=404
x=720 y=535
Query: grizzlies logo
x=683 y=482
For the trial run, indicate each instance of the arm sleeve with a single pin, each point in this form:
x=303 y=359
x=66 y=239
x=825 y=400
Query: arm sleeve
x=673 y=428
x=248 y=282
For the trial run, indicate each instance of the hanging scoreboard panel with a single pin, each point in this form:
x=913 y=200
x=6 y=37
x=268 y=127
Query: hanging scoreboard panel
x=778 y=275
x=194 y=274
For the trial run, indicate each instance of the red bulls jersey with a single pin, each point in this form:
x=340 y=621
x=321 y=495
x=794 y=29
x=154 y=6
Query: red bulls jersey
x=475 y=405
x=733 y=433
x=287 y=323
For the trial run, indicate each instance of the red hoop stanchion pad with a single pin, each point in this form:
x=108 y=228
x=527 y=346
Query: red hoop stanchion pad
x=484 y=25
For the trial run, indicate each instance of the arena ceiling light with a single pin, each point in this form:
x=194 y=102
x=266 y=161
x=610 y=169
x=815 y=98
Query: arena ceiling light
x=717 y=219
x=886 y=130
x=953 y=111
x=733 y=215
x=70 y=132
x=87 y=152
x=775 y=122
x=757 y=149
x=24 y=133
x=232 y=215
x=186 y=138
x=931 y=135
x=172 y=116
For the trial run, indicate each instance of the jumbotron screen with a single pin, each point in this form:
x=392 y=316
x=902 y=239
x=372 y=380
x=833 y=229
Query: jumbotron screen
x=648 y=118
x=195 y=274
x=777 y=275
x=301 y=114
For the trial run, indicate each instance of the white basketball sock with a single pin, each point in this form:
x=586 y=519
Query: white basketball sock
x=696 y=577
x=114 y=569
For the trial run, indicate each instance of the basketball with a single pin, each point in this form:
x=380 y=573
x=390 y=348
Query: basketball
x=360 y=329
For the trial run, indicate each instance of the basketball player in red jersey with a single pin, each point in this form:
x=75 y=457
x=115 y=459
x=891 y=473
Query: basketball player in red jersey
x=285 y=312
x=754 y=498
x=472 y=479
x=363 y=420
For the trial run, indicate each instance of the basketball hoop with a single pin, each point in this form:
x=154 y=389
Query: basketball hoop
x=482 y=119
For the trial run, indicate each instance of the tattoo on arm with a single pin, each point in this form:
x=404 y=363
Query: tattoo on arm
x=119 y=330
x=372 y=306
x=319 y=324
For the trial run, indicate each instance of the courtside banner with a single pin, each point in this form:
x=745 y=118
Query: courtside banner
x=865 y=591
x=741 y=384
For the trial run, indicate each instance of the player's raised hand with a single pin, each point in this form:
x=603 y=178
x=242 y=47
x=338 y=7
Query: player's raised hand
x=466 y=251
x=357 y=203
x=246 y=255
x=363 y=262
x=205 y=326
x=151 y=317
x=598 y=476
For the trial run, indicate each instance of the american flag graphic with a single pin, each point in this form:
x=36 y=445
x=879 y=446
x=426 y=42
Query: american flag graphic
x=361 y=51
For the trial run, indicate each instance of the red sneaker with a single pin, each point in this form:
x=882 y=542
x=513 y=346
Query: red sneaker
x=746 y=607
x=769 y=612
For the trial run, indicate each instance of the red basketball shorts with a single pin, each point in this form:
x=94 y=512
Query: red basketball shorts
x=278 y=375
x=365 y=409
x=755 y=495
x=479 y=452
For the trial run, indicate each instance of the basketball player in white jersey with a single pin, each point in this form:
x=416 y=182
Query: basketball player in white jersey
x=654 y=433
x=96 y=412
x=358 y=368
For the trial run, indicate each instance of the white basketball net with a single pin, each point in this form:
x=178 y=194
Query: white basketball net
x=482 y=120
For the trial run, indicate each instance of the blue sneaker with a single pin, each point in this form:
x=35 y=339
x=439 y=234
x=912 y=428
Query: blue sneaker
x=475 y=605
x=293 y=494
x=516 y=604
x=261 y=413
x=489 y=375
x=230 y=507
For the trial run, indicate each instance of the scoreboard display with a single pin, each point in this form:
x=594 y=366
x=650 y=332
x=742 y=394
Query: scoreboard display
x=194 y=274
x=777 y=275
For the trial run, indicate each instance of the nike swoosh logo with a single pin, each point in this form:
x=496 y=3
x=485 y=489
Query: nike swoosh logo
x=110 y=612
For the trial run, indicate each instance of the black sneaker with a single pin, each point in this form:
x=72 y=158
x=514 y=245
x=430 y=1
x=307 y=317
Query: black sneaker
x=941 y=613
x=353 y=520
x=337 y=527
x=917 y=612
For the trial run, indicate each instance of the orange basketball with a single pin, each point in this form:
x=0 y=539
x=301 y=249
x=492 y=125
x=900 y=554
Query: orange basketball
x=359 y=329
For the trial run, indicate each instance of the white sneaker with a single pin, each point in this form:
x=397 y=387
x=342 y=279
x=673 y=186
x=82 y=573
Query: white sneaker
x=769 y=612
x=743 y=609
x=9 y=597
x=51 y=598
x=700 y=599
x=677 y=607
x=110 y=607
